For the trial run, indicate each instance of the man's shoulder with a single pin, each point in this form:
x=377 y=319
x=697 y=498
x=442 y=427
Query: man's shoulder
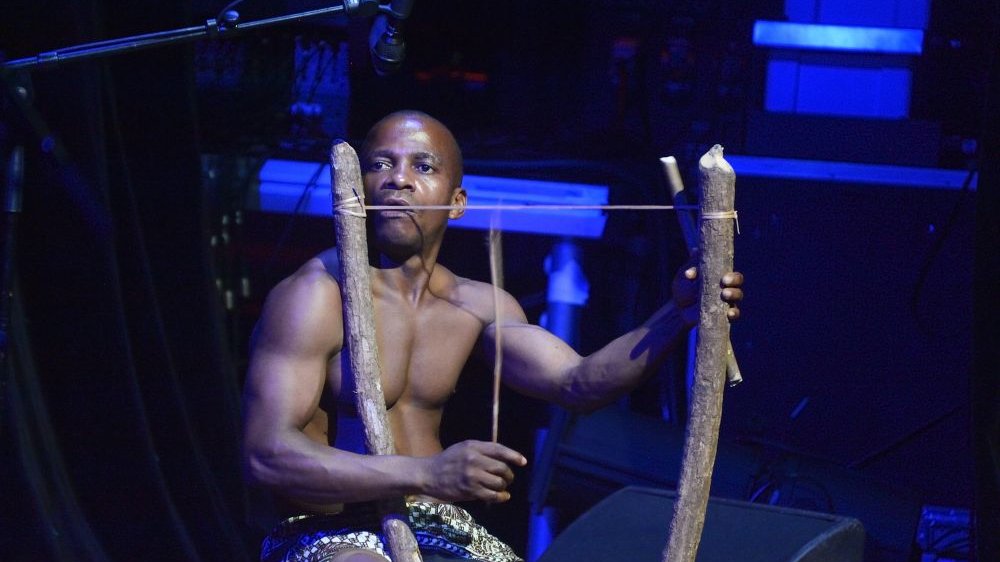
x=472 y=285
x=304 y=307
x=467 y=290
x=329 y=259
x=313 y=280
x=479 y=297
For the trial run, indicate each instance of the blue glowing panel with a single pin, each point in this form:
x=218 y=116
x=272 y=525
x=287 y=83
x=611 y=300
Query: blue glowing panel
x=887 y=13
x=485 y=190
x=287 y=186
x=796 y=87
x=802 y=11
x=843 y=38
x=859 y=92
x=848 y=12
x=295 y=172
x=782 y=86
x=883 y=13
x=847 y=172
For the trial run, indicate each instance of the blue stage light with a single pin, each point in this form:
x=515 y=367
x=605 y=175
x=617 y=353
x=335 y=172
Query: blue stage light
x=288 y=186
x=849 y=172
x=886 y=40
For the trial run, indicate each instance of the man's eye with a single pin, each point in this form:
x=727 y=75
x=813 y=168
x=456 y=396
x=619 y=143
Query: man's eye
x=378 y=165
x=425 y=168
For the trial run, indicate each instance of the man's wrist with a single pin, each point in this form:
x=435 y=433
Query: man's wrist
x=689 y=315
x=416 y=475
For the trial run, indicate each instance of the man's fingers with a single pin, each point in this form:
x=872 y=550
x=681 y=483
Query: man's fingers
x=494 y=482
x=493 y=488
x=500 y=469
x=732 y=295
x=691 y=273
x=488 y=469
x=502 y=453
x=732 y=279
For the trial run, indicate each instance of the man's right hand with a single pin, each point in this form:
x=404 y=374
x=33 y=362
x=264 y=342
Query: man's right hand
x=472 y=470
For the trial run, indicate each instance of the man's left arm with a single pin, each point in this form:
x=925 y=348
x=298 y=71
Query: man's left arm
x=539 y=364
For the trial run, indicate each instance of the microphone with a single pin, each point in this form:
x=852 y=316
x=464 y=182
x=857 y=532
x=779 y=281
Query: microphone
x=386 y=39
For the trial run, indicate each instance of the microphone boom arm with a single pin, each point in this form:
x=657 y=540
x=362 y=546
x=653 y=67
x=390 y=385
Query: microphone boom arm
x=211 y=28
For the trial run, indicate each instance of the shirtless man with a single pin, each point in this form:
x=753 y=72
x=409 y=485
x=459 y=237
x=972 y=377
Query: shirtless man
x=301 y=432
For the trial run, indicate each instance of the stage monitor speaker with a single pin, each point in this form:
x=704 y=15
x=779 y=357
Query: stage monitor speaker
x=632 y=525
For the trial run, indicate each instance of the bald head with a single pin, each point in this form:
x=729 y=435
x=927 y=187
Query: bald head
x=436 y=131
x=409 y=158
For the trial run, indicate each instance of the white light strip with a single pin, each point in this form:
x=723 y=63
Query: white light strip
x=283 y=186
x=847 y=172
x=888 y=40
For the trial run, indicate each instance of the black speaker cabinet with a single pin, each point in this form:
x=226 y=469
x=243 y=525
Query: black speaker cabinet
x=632 y=525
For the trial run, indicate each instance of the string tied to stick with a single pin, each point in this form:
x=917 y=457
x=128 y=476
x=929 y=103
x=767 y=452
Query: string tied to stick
x=353 y=206
x=725 y=215
x=534 y=207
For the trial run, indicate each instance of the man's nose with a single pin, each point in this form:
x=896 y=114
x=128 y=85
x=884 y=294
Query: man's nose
x=401 y=178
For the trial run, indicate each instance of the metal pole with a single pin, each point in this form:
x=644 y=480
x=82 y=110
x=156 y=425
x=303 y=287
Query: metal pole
x=567 y=294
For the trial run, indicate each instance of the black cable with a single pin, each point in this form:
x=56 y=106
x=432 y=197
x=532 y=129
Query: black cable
x=321 y=67
x=296 y=213
x=936 y=248
x=867 y=459
x=155 y=317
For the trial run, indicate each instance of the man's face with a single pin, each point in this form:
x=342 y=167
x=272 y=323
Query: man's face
x=408 y=161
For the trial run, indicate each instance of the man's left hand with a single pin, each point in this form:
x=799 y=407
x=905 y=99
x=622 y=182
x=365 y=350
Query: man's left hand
x=686 y=290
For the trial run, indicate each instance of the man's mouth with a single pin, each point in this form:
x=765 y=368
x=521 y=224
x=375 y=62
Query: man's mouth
x=403 y=205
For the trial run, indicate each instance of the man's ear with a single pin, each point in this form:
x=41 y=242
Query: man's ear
x=458 y=198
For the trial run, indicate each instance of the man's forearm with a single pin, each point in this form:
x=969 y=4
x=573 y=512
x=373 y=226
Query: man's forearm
x=607 y=374
x=304 y=471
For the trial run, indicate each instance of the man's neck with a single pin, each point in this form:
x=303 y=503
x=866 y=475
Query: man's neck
x=408 y=279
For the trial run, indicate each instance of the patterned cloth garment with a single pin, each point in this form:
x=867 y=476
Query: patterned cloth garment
x=438 y=528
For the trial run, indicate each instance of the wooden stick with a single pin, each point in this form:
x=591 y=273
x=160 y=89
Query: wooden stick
x=718 y=190
x=359 y=330
x=496 y=277
x=733 y=375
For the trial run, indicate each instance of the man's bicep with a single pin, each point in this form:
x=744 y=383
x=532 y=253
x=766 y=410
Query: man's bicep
x=535 y=362
x=282 y=389
x=300 y=329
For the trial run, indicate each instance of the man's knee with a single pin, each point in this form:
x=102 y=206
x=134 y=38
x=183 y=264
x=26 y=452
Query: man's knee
x=358 y=556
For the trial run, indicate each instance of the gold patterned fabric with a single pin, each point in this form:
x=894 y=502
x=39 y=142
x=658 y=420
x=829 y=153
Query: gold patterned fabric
x=442 y=529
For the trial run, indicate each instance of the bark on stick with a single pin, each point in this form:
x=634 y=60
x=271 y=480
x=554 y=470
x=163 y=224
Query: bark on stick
x=680 y=197
x=718 y=193
x=359 y=331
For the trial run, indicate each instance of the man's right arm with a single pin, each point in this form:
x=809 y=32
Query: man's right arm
x=300 y=329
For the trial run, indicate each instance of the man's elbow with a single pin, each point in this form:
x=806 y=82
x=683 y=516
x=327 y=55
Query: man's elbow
x=580 y=400
x=260 y=463
x=585 y=406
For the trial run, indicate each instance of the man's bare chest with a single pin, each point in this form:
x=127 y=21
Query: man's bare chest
x=421 y=353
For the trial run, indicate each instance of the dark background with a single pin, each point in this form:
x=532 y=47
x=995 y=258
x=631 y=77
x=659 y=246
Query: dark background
x=141 y=266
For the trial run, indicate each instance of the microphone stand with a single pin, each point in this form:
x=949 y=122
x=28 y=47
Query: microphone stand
x=402 y=543
x=12 y=208
x=224 y=25
x=227 y=24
